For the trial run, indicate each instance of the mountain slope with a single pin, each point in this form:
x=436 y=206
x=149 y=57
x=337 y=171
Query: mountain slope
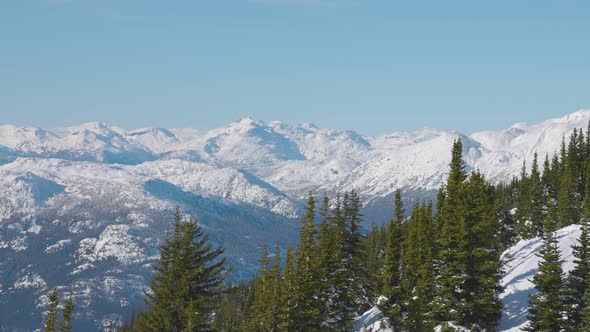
x=520 y=266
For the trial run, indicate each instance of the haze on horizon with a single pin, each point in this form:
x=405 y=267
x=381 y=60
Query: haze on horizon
x=374 y=66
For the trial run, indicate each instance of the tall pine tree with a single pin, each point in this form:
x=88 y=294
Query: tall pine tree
x=187 y=282
x=546 y=307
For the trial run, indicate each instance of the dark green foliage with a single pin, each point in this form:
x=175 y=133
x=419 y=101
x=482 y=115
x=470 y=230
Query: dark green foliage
x=287 y=305
x=578 y=281
x=417 y=271
x=235 y=307
x=52 y=323
x=66 y=325
x=483 y=265
x=308 y=305
x=452 y=244
x=546 y=308
x=188 y=279
x=373 y=261
x=467 y=266
x=392 y=269
x=51 y=316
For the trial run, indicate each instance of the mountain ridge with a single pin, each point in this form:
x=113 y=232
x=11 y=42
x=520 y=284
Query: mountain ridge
x=79 y=197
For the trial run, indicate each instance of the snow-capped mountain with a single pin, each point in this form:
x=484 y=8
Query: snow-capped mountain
x=84 y=208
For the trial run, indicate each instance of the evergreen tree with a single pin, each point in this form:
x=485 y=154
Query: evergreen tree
x=523 y=212
x=468 y=266
x=568 y=196
x=51 y=315
x=234 y=311
x=308 y=308
x=260 y=319
x=275 y=290
x=482 y=308
x=66 y=325
x=505 y=203
x=373 y=261
x=392 y=288
x=287 y=306
x=578 y=281
x=449 y=301
x=417 y=276
x=187 y=282
x=546 y=308
x=353 y=263
x=537 y=201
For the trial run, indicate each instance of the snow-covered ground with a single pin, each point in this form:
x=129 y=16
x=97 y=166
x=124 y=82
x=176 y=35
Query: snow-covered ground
x=521 y=263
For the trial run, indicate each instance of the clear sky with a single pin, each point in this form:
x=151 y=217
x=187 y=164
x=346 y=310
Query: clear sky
x=371 y=65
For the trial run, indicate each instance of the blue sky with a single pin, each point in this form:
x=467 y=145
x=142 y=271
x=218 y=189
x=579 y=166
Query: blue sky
x=371 y=65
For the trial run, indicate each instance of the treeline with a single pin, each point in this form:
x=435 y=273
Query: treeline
x=554 y=191
x=323 y=285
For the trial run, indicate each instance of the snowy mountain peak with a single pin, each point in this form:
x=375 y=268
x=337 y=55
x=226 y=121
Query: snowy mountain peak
x=246 y=123
x=100 y=128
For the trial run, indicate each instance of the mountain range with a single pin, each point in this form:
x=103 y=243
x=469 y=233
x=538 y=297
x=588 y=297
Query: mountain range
x=84 y=208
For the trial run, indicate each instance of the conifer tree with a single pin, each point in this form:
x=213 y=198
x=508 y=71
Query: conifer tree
x=373 y=261
x=189 y=274
x=505 y=203
x=354 y=253
x=523 y=212
x=448 y=302
x=392 y=288
x=537 y=201
x=417 y=277
x=546 y=307
x=308 y=308
x=483 y=266
x=288 y=287
x=568 y=196
x=468 y=267
x=578 y=281
x=260 y=319
x=275 y=290
x=66 y=324
x=51 y=316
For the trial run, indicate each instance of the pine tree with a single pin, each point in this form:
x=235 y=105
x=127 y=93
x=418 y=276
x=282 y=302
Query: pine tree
x=505 y=203
x=275 y=290
x=189 y=274
x=523 y=212
x=568 y=196
x=308 y=309
x=51 y=315
x=417 y=276
x=392 y=288
x=373 y=261
x=288 y=288
x=578 y=281
x=259 y=319
x=483 y=308
x=66 y=324
x=449 y=300
x=546 y=308
x=537 y=201
x=354 y=254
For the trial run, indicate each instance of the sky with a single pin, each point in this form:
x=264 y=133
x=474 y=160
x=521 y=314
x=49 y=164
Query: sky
x=374 y=66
